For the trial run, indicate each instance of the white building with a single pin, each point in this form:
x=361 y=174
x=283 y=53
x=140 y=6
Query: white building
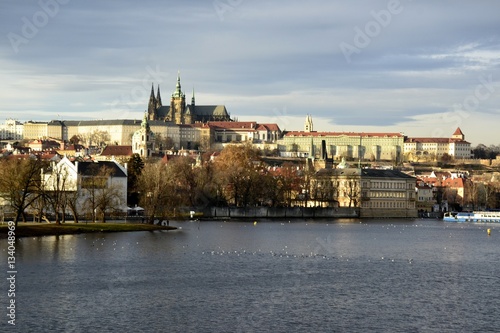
x=11 y=130
x=456 y=147
x=88 y=181
x=143 y=141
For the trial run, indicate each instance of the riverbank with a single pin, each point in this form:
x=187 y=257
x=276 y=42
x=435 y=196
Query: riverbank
x=52 y=229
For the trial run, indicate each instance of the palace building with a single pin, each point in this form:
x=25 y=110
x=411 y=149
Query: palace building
x=181 y=113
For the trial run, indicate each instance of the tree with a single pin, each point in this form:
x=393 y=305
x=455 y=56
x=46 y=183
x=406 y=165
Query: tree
x=20 y=183
x=156 y=187
x=446 y=158
x=184 y=176
x=238 y=169
x=163 y=142
x=102 y=192
x=287 y=184
x=54 y=189
x=135 y=165
x=73 y=199
x=96 y=138
x=108 y=198
x=75 y=139
x=352 y=191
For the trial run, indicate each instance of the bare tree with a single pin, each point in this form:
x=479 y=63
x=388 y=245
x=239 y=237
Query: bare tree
x=103 y=191
x=20 y=184
x=54 y=189
x=108 y=199
x=156 y=187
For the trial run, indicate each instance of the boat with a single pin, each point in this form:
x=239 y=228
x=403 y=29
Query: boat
x=474 y=217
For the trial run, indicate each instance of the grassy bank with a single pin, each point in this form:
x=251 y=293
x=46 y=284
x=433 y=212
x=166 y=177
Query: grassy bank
x=46 y=229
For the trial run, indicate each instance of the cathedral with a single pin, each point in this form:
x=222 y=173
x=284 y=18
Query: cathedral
x=180 y=113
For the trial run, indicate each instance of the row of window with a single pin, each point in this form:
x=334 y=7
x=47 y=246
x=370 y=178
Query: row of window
x=388 y=194
x=387 y=204
x=389 y=185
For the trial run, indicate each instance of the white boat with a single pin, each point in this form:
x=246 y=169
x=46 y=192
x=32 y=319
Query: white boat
x=475 y=217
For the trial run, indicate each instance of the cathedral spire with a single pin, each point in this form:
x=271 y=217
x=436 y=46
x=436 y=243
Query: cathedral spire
x=152 y=104
x=178 y=91
x=192 y=98
x=158 y=98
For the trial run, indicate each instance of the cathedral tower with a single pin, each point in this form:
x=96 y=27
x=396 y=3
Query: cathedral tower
x=152 y=104
x=178 y=103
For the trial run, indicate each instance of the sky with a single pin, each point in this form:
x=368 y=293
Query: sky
x=419 y=67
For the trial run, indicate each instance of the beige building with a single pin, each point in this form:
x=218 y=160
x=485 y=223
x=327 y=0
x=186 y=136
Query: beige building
x=377 y=193
x=337 y=145
x=35 y=130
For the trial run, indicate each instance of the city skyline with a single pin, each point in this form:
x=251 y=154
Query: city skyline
x=417 y=67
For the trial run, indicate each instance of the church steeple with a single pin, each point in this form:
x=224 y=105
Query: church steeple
x=152 y=104
x=178 y=91
x=158 y=98
x=308 y=125
x=145 y=123
x=192 y=98
x=178 y=103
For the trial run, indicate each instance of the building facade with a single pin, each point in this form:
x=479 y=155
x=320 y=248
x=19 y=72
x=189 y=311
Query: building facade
x=88 y=183
x=11 y=130
x=377 y=193
x=143 y=140
x=434 y=148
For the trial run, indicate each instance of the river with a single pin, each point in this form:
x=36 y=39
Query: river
x=280 y=276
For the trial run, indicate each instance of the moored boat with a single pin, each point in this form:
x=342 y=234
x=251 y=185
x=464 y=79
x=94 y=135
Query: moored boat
x=475 y=217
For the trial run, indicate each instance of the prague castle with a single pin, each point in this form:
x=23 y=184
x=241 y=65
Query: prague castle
x=180 y=113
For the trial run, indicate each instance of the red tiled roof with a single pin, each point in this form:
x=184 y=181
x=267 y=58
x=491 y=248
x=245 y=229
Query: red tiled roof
x=354 y=134
x=458 y=132
x=117 y=151
x=434 y=140
x=454 y=182
x=233 y=124
x=268 y=127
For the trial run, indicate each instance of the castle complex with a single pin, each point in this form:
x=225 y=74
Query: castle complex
x=180 y=113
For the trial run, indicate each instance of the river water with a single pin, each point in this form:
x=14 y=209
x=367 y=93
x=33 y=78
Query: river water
x=280 y=276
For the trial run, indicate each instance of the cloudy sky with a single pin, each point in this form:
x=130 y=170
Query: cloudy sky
x=421 y=67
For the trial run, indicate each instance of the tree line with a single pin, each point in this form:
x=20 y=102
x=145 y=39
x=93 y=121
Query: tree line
x=237 y=177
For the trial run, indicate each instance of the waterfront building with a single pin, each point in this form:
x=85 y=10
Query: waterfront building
x=435 y=148
x=376 y=193
x=87 y=182
x=425 y=197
